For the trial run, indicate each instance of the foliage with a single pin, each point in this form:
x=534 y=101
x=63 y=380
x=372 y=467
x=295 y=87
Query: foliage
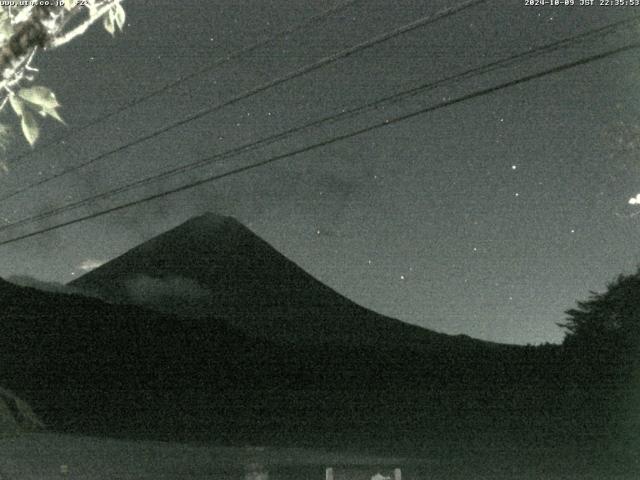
x=602 y=364
x=609 y=320
x=26 y=29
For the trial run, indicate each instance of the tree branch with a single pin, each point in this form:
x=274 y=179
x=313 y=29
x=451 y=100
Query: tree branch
x=29 y=35
x=82 y=28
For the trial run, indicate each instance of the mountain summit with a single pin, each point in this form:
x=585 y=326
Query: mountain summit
x=213 y=265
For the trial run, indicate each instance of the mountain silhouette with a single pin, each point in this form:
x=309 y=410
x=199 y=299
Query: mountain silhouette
x=214 y=266
x=206 y=332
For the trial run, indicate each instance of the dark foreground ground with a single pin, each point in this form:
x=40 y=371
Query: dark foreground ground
x=55 y=456
x=47 y=455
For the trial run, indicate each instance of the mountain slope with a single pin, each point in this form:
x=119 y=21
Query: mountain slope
x=213 y=265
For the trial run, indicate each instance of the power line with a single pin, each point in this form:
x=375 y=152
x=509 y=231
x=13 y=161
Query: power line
x=227 y=58
x=424 y=21
x=323 y=143
x=330 y=118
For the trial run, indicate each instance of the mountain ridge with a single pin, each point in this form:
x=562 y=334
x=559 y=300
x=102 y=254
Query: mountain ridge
x=249 y=283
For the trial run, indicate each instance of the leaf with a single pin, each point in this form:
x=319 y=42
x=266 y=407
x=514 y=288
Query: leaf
x=40 y=96
x=119 y=16
x=30 y=127
x=17 y=105
x=52 y=112
x=109 y=23
x=93 y=10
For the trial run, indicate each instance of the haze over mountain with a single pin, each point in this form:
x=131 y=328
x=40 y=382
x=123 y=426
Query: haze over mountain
x=213 y=266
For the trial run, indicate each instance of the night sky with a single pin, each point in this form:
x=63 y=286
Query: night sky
x=489 y=218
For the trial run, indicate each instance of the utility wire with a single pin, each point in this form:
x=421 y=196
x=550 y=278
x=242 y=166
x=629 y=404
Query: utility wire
x=327 y=119
x=422 y=22
x=401 y=118
x=226 y=59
